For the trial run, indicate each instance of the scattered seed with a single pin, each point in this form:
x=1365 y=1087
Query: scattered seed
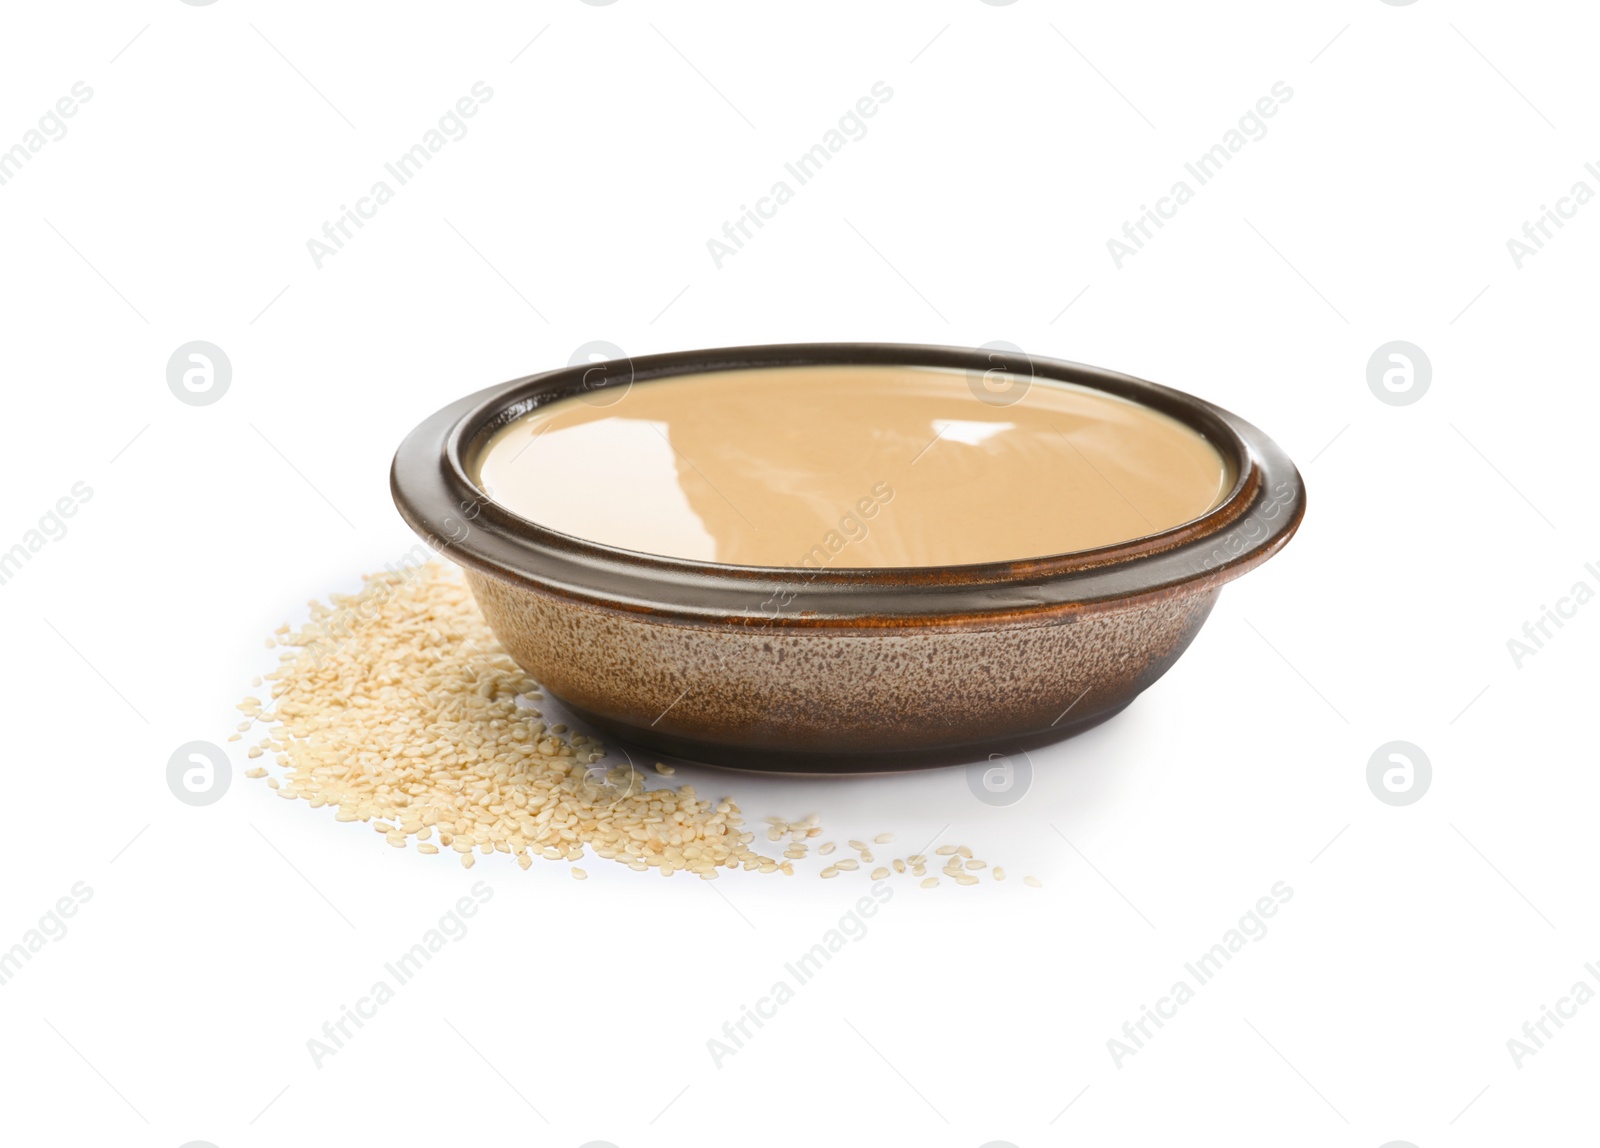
x=1034 y=881
x=579 y=874
x=999 y=873
x=945 y=850
x=397 y=707
x=931 y=883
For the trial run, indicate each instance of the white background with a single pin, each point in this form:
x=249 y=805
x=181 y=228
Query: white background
x=218 y=940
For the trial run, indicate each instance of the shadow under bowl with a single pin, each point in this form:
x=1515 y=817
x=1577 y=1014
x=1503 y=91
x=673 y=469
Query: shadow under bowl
x=787 y=669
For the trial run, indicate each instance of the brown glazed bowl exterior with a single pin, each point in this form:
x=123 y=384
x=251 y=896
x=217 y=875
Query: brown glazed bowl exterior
x=838 y=670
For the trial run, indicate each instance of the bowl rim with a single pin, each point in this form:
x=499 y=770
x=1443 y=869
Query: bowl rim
x=433 y=483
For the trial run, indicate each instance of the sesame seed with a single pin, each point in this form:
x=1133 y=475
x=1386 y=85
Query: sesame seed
x=1034 y=881
x=579 y=874
x=931 y=883
x=397 y=707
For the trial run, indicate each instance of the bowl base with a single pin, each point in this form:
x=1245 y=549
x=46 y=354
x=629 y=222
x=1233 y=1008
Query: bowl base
x=842 y=763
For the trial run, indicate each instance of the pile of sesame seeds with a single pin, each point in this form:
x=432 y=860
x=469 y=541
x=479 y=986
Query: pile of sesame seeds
x=397 y=707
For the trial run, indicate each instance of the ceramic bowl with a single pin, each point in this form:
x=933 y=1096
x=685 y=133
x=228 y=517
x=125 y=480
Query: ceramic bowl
x=838 y=670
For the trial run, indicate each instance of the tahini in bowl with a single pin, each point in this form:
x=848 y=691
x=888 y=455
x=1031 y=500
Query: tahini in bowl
x=812 y=664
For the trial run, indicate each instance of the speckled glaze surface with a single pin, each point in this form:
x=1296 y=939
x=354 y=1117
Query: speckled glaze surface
x=839 y=670
x=742 y=695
